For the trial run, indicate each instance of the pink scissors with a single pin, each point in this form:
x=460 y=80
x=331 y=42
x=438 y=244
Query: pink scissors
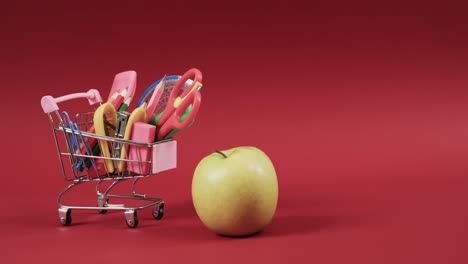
x=171 y=117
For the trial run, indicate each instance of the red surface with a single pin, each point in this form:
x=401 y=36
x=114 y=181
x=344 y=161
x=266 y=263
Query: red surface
x=361 y=106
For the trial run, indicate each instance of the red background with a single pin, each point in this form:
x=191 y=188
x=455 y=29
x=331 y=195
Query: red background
x=360 y=105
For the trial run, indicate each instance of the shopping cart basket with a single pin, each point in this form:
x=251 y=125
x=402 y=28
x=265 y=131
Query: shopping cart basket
x=82 y=161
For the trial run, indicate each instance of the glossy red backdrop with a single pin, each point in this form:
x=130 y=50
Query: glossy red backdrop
x=360 y=105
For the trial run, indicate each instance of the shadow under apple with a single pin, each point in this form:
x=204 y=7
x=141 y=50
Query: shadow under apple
x=296 y=224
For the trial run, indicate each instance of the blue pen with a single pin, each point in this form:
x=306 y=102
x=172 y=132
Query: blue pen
x=75 y=145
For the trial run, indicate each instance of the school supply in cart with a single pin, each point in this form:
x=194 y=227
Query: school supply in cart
x=110 y=143
x=120 y=96
x=143 y=133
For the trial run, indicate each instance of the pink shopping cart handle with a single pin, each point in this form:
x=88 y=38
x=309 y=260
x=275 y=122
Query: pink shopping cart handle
x=49 y=103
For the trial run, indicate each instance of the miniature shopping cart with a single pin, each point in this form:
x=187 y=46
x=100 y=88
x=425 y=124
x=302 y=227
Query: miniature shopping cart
x=82 y=161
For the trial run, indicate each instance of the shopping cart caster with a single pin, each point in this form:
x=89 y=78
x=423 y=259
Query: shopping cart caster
x=103 y=204
x=131 y=218
x=65 y=216
x=158 y=211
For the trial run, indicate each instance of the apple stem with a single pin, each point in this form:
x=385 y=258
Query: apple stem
x=220 y=153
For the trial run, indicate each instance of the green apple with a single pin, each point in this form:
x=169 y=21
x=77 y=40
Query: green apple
x=235 y=191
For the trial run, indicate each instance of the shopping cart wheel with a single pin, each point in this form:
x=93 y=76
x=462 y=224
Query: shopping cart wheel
x=65 y=216
x=131 y=218
x=158 y=211
x=106 y=203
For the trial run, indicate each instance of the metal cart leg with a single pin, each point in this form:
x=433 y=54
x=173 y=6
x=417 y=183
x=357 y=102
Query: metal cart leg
x=103 y=198
x=133 y=189
x=158 y=208
x=64 y=211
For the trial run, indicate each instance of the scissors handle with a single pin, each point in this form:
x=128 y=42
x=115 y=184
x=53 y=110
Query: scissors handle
x=193 y=74
x=174 y=121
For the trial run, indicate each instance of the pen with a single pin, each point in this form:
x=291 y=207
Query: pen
x=125 y=104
